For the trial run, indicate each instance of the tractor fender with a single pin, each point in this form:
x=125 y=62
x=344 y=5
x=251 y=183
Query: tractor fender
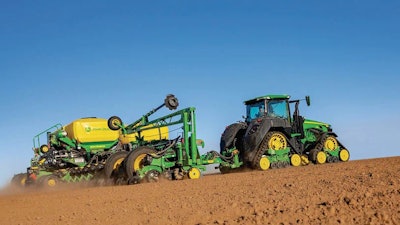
x=336 y=136
x=230 y=133
x=332 y=133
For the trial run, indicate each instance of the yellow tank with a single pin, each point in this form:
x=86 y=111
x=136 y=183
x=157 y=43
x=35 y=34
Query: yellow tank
x=148 y=135
x=90 y=130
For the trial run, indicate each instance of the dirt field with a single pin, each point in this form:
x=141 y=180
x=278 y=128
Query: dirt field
x=356 y=192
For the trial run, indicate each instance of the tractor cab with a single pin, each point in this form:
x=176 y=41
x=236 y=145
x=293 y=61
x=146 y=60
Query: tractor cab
x=274 y=106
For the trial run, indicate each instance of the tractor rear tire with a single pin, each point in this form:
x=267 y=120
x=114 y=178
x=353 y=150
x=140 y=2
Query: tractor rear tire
x=134 y=161
x=113 y=163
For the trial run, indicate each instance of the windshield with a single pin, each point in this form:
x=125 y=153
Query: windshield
x=277 y=108
x=255 y=110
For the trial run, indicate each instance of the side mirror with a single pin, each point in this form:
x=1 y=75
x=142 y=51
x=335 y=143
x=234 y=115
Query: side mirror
x=308 y=100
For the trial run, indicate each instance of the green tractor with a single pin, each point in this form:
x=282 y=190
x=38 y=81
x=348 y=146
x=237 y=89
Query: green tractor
x=272 y=137
x=171 y=159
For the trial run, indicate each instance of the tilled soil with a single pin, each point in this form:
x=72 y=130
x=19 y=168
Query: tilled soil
x=355 y=192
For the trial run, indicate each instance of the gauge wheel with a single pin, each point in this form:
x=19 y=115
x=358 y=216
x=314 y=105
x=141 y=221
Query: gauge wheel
x=49 y=181
x=295 y=160
x=194 y=173
x=114 y=123
x=113 y=163
x=136 y=160
x=344 y=155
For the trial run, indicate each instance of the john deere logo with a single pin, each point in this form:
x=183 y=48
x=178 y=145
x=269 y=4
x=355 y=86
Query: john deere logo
x=88 y=129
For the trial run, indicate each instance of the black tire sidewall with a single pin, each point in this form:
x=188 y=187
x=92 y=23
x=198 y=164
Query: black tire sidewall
x=130 y=159
x=109 y=167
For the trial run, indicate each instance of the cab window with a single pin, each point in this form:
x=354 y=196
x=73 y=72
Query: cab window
x=277 y=108
x=255 y=110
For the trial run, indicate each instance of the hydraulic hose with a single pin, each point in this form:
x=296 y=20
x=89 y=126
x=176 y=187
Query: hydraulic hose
x=225 y=158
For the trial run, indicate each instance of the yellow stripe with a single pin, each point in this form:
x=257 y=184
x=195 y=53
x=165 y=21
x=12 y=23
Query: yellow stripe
x=325 y=124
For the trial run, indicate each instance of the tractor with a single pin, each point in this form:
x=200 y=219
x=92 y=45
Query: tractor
x=271 y=137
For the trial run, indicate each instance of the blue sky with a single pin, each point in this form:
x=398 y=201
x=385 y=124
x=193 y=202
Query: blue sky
x=60 y=61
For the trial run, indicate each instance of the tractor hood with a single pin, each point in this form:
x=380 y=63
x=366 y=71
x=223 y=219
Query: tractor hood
x=316 y=124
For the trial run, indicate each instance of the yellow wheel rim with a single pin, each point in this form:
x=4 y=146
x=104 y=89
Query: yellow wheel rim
x=344 y=155
x=51 y=182
x=115 y=122
x=295 y=160
x=331 y=143
x=277 y=141
x=138 y=164
x=321 y=157
x=264 y=163
x=194 y=173
x=22 y=181
x=118 y=163
x=44 y=148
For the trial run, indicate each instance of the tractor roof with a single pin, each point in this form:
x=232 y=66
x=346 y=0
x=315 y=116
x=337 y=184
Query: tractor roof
x=266 y=97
